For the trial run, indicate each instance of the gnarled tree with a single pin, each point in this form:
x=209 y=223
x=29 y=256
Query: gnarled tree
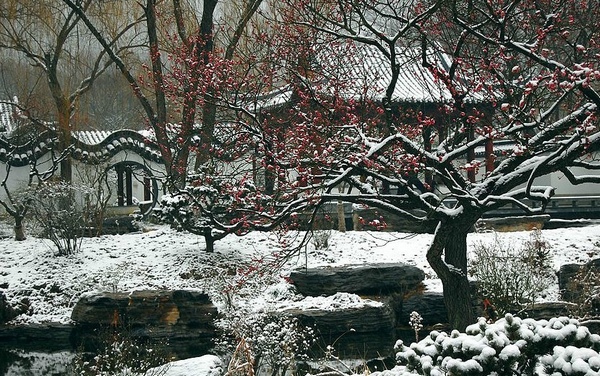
x=521 y=72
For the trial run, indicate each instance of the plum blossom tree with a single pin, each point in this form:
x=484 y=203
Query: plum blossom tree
x=206 y=90
x=184 y=75
x=520 y=71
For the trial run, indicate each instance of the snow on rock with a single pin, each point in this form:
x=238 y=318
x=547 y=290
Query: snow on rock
x=339 y=301
x=206 y=365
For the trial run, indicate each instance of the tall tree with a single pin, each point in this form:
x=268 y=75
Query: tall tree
x=519 y=71
x=50 y=36
x=188 y=79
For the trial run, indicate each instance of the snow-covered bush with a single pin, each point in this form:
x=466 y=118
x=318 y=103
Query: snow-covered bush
x=511 y=277
x=120 y=354
x=64 y=214
x=511 y=346
x=254 y=333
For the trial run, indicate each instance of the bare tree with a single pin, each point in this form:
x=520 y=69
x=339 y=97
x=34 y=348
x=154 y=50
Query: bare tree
x=186 y=81
x=18 y=203
x=50 y=36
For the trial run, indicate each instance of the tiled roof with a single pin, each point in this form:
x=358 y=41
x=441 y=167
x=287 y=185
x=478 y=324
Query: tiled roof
x=88 y=147
x=415 y=83
x=363 y=72
x=367 y=73
x=91 y=137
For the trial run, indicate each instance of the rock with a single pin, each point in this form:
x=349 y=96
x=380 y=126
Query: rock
x=363 y=332
x=361 y=279
x=206 y=365
x=592 y=325
x=7 y=312
x=548 y=310
x=46 y=337
x=183 y=318
x=122 y=224
x=576 y=282
x=148 y=307
x=430 y=305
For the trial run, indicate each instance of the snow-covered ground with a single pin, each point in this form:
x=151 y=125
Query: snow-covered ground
x=161 y=258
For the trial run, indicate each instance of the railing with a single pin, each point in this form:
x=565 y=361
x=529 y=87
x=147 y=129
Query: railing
x=560 y=207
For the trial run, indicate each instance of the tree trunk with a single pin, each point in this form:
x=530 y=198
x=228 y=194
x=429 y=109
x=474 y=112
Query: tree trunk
x=209 y=110
x=457 y=294
x=19 y=229
x=450 y=242
x=209 y=240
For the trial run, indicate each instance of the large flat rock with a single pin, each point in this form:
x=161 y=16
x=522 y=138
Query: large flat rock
x=148 y=307
x=362 y=332
x=372 y=279
x=578 y=283
x=183 y=318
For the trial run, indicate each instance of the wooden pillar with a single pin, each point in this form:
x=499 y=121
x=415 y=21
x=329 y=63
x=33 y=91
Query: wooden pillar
x=128 y=186
x=489 y=155
x=120 y=187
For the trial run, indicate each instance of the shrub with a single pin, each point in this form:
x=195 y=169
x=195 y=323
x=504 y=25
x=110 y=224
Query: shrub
x=511 y=346
x=513 y=277
x=264 y=341
x=65 y=214
x=255 y=335
x=119 y=353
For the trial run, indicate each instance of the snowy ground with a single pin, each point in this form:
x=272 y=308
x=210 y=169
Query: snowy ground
x=161 y=258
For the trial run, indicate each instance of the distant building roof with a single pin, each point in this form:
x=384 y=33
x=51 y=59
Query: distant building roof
x=364 y=72
x=91 y=137
x=415 y=83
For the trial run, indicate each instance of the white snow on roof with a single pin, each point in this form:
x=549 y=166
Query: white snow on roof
x=371 y=72
x=91 y=137
x=365 y=73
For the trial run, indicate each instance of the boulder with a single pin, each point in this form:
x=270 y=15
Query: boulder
x=182 y=318
x=364 y=332
x=7 y=312
x=577 y=281
x=148 y=307
x=548 y=310
x=372 y=279
x=44 y=337
x=430 y=305
x=592 y=325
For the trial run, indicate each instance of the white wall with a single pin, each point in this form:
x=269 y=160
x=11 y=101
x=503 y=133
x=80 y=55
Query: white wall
x=83 y=174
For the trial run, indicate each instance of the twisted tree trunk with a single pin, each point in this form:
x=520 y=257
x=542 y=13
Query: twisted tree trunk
x=447 y=255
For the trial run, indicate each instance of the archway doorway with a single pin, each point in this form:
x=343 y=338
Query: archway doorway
x=135 y=185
